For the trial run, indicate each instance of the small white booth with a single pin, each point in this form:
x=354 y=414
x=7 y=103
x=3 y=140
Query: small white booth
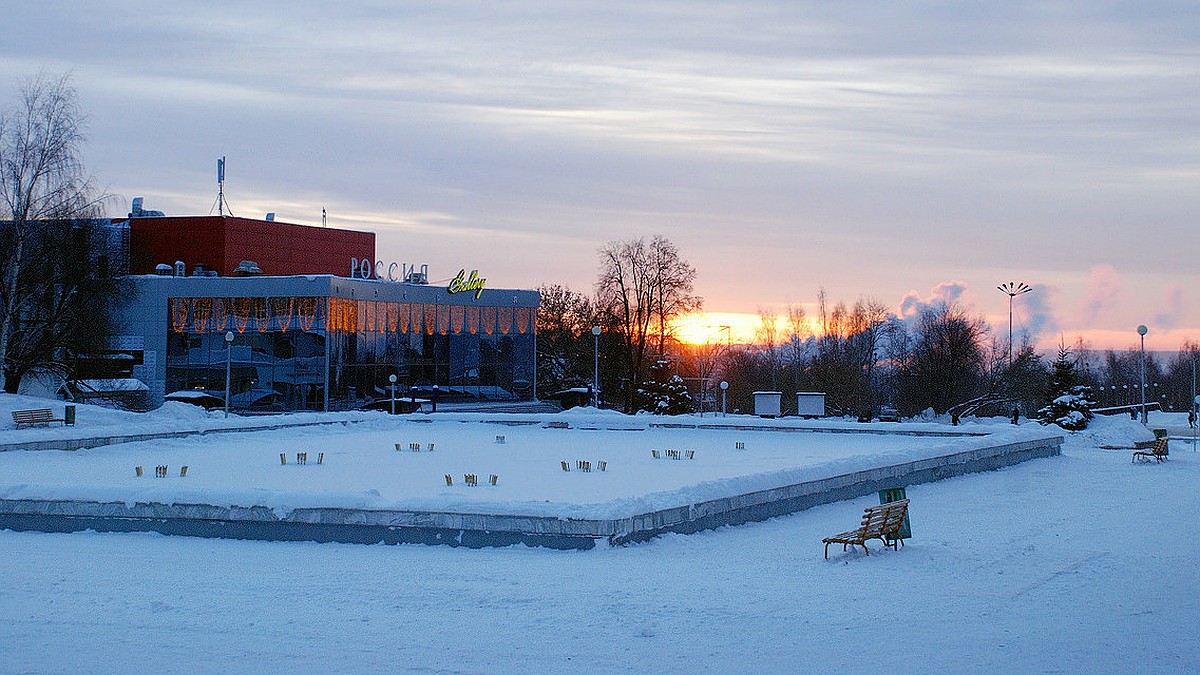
x=766 y=403
x=810 y=403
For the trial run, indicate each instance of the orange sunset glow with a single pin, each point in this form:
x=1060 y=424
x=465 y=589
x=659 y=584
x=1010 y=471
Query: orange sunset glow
x=718 y=327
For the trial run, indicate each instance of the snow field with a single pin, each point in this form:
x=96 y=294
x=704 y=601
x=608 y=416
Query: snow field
x=1080 y=563
x=362 y=469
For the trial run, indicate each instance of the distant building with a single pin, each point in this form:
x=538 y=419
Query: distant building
x=318 y=322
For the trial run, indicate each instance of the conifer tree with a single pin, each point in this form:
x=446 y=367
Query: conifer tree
x=664 y=392
x=1069 y=406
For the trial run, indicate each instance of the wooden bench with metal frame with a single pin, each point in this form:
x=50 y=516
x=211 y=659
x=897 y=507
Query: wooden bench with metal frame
x=881 y=522
x=39 y=416
x=1156 y=451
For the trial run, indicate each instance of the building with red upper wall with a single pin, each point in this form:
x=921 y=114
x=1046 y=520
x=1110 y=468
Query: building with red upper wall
x=272 y=316
x=221 y=243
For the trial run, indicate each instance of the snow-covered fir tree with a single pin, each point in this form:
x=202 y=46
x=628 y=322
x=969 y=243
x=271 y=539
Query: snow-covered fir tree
x=664 y=392
x=1069 y=406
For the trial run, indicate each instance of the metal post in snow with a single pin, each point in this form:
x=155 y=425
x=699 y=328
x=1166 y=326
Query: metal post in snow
x=392 y=387
x=596 y=368
x=228 y=360
x=1142 y=330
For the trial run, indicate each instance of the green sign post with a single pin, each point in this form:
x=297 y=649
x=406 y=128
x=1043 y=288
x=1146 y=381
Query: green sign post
x=895 y=495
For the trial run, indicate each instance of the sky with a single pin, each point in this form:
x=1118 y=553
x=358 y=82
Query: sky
x=901 y=152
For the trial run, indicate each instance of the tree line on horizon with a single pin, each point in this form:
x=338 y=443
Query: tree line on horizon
x=863 y=357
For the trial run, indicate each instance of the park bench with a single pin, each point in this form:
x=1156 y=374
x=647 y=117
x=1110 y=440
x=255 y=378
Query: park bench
x=39 y=416
x=881 y=522
x=1157 y=451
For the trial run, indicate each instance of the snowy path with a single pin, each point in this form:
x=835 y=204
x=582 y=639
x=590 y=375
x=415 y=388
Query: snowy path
x=1080 y=563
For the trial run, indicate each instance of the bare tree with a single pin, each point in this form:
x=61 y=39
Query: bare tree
x=945 y=360
x=847 y=352
x=42 y=181
x=673 y=281
x=1179 y=382
x=642 y=287
x=564 y=344
x=799 y=333
x=767 y=336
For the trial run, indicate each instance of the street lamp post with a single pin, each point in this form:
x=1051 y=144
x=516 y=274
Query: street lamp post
x=1012 y=289
x=1142 y=330
x=392 y=380
x=724 y=388
x=228 y=360
x=596 y=367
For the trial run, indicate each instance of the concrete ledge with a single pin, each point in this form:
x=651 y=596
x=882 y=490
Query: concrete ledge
x=480 y=530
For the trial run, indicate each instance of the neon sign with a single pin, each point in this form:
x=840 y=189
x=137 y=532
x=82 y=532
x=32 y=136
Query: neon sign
x=466 y=284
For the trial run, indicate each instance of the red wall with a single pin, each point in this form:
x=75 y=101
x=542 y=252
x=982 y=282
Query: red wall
x=221 y=242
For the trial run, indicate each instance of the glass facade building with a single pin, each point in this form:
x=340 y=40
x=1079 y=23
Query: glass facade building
x=324 y=342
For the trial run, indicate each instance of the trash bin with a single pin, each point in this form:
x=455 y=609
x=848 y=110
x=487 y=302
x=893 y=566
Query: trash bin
x=895 y=495
x=69 y=416
x=1159 y=433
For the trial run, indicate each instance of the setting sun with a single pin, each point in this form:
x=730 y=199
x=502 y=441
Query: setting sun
x=736 y=328
x=716 y=327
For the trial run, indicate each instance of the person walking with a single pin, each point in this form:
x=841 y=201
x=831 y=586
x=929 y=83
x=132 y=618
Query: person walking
x=1192 y=419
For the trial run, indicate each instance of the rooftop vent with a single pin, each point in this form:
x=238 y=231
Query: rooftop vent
x=247 y=268
x=136 y=211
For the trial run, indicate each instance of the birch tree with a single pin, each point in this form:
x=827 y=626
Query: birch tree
x=42 y=180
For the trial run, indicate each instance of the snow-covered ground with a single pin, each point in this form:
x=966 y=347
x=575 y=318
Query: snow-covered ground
x=1078 y=563
x=362 y=469
x=172 y=416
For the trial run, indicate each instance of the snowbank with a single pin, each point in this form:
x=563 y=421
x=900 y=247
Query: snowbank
x=1114 y=432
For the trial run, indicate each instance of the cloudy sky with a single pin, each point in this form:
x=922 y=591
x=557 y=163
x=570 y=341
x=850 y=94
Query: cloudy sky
x=896 y=151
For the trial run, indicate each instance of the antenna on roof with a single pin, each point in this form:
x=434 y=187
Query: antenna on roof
x=222 y=205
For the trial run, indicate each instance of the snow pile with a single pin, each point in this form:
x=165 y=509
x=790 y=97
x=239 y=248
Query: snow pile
x=173 y=416
x=1115 y=432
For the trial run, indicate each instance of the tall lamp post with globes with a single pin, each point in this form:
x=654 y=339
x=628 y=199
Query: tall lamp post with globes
x=596 y=367
x=228 y=360
x=1142 y=330
x=1012 y=289
x=724 y=388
